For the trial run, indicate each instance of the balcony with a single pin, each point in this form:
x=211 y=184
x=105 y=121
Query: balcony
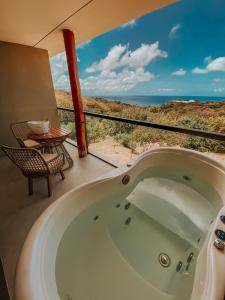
x=19 y=210
x=26 y=86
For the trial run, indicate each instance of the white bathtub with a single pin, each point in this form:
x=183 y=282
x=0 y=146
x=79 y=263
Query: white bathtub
x=102 y=241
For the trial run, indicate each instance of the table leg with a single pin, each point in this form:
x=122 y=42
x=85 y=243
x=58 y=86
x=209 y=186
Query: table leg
x=58 y=147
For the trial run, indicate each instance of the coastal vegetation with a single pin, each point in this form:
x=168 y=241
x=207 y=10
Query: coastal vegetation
x=208 y=116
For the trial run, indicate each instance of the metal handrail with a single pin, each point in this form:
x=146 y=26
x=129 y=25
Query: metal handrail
x=190 y=131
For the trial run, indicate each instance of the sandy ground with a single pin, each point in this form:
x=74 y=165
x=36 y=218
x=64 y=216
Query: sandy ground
x=111 y=149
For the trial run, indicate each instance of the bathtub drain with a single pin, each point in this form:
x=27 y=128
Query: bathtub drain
x=164 y=260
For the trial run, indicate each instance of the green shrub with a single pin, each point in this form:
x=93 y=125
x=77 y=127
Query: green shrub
x=198 y=143
x=65 y=117
x=126 y=140
x=97 y=129
x=71 y=126
x=143 y=135
x=196 y=123
x=204 y=145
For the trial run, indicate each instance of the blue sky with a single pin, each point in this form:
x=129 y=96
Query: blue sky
x=178 y=50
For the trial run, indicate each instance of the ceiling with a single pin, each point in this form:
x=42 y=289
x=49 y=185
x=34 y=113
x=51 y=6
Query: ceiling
x=40 y=23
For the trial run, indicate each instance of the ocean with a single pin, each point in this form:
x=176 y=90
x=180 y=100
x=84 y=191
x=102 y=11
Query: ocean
x=159 y=100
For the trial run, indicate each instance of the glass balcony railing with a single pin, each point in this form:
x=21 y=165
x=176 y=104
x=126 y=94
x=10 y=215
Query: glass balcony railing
x=118 y=139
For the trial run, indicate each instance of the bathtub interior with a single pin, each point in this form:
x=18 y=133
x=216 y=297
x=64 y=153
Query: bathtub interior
x=112 y=249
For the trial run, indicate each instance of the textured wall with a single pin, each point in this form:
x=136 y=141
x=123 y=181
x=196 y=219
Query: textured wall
x=26 y=88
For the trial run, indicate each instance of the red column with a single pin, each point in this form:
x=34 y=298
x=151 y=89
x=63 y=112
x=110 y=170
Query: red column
x=80 y=125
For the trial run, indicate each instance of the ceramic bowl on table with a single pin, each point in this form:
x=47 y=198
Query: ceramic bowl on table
x=39 y=127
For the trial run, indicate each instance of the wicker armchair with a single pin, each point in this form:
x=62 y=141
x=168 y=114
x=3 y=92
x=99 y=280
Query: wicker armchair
x=21 y=130
x=33 y=164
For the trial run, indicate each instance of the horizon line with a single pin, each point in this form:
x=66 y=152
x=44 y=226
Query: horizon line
x=150 y=95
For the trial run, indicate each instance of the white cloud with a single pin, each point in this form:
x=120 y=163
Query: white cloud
x=111 y=61
x=131 y=23
x=180 y=72
x=58 y=64
x=174 y=30
x=62 y=82
x=207 y=59
x=59 y=71
x=216 y=65
x=216 y=80
x=166 y=90
x=199 y=71
x=120 y=56
x=122 y=69
x=143 y=55
x=219 y=90
x=108 y=81
x=83 y=45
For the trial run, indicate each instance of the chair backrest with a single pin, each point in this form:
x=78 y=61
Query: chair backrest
x=30 y=161
x=20 y=130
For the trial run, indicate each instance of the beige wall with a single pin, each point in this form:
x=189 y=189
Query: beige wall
x=26 y=88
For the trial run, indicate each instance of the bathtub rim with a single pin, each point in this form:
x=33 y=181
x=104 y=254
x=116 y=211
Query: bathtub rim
x=25 y=281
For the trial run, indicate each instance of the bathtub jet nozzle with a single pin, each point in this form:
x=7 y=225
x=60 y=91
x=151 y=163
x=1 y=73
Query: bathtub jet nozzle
x=179 y=266
x=128 y=220
x=190 y=257
x=126 y=179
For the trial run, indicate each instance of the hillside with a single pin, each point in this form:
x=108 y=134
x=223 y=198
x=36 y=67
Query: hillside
x=176 y=110
x=208 y=116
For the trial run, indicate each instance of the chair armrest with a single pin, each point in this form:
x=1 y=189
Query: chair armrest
x=21 y=143
x=56 y=164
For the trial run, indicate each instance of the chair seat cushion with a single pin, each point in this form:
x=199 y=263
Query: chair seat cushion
x=55 y=162
x=48 y=156
x=31 y=144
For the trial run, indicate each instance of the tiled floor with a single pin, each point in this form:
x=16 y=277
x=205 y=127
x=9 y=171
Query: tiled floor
x=18 y=211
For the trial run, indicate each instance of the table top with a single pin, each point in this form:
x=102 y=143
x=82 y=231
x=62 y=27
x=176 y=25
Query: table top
x=53 y=134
